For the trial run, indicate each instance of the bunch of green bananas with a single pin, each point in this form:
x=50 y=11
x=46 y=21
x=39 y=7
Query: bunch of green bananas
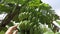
x=25 y=28
x=24 y=16
x=25 y=25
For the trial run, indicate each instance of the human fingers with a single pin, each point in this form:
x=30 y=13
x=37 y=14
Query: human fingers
x=14 y=27
x=11 y=29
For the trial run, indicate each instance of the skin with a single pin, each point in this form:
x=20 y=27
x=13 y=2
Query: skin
x=12 y=30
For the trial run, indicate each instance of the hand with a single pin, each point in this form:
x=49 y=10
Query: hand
x=11 y=29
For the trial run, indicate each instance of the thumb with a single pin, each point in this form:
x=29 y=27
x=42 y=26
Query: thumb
x=15 y=32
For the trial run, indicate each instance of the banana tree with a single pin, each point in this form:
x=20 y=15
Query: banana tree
x=29 y=14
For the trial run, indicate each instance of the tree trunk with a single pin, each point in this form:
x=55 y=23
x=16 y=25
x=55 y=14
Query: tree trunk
x=9 y=17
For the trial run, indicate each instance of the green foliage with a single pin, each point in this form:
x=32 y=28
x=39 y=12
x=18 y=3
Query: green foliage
x=4 y=8
x=58 y=22
x=2 y=32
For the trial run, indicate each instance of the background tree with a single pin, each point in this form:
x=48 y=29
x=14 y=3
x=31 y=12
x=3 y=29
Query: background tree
x=29 y=14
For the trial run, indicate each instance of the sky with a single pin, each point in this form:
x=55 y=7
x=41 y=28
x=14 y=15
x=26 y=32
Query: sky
x=55 y=4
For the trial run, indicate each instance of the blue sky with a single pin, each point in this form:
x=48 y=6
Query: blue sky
x=55 y=5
